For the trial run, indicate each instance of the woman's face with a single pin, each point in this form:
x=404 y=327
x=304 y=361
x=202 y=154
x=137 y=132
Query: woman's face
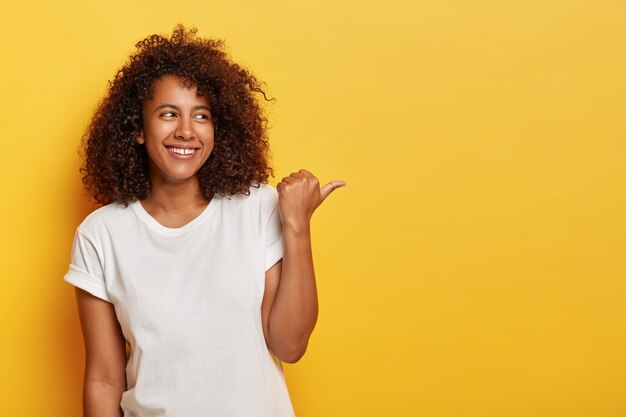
x=177 y=131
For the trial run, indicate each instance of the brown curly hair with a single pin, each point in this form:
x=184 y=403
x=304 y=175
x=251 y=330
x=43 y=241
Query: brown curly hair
x=116 y=168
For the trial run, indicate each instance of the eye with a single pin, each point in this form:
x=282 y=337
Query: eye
x=202 y=116
x=167 y=114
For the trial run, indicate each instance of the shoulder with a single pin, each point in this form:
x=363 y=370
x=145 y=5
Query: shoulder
x=266 y=197
x=103 y=218
x=262 y=194
x=260 y=202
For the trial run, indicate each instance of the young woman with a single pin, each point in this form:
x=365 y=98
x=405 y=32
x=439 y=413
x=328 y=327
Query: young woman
x=193 y=261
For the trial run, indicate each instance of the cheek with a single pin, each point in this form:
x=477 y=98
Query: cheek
x=158 y=130
x=208 y=137
x=209 y=146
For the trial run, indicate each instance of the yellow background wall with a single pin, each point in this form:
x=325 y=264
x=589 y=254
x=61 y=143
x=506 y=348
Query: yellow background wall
x=474 y=264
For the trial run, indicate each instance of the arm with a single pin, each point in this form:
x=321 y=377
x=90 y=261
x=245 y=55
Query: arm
x=105 y=353
x=289 y=310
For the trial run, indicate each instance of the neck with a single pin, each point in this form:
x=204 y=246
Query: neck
x=170 y=197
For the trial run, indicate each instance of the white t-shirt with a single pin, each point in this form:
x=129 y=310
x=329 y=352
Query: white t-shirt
x=188 y=300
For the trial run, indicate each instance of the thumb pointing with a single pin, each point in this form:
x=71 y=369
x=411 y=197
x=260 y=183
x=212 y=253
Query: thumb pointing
x=330 y=187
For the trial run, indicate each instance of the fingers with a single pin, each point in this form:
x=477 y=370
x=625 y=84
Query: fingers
x=286 y=181
x=283 y=183
x=304 y=174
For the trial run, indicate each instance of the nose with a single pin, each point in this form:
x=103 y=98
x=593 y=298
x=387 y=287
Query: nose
x=184 y=129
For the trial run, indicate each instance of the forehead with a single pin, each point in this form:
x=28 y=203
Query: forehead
x=171 y=88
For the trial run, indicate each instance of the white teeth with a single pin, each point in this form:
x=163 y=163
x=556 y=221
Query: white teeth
x=182 y=151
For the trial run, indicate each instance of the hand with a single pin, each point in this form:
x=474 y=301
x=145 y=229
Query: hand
x=299 y=195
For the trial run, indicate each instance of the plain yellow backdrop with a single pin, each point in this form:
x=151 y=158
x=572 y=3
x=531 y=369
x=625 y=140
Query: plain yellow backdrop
x=473 y=266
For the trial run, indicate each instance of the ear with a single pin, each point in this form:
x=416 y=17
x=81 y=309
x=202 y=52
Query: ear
x=135 y=121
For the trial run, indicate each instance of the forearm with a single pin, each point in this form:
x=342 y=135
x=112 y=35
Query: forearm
x=105 y=356
x=101 y=398
x=295 y=308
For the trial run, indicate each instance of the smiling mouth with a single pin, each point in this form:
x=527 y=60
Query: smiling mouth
x=182 y=151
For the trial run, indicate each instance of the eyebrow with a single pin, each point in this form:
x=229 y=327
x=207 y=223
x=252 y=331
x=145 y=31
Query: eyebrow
x=173 y=106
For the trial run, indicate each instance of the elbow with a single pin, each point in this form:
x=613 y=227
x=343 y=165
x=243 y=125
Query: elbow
x=289 y=345
x=290 y=352
x=291 y=355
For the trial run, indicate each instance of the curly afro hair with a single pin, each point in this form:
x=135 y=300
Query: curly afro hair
x=116 y=167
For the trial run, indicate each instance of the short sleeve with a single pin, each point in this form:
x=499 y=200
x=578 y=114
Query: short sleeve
x=273 y=228
x=85 y=271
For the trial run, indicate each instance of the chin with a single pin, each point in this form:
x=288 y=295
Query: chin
x=180 y=177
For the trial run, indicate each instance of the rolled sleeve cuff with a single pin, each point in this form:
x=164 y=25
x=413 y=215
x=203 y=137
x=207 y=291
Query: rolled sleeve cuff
x=83 y=280
x=273 y=254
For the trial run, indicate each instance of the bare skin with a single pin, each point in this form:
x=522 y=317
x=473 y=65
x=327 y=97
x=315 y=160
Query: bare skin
x=177 y=118
x=289 y=309
x=105 y=352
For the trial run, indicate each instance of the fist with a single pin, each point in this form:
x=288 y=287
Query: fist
x=299 y=195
